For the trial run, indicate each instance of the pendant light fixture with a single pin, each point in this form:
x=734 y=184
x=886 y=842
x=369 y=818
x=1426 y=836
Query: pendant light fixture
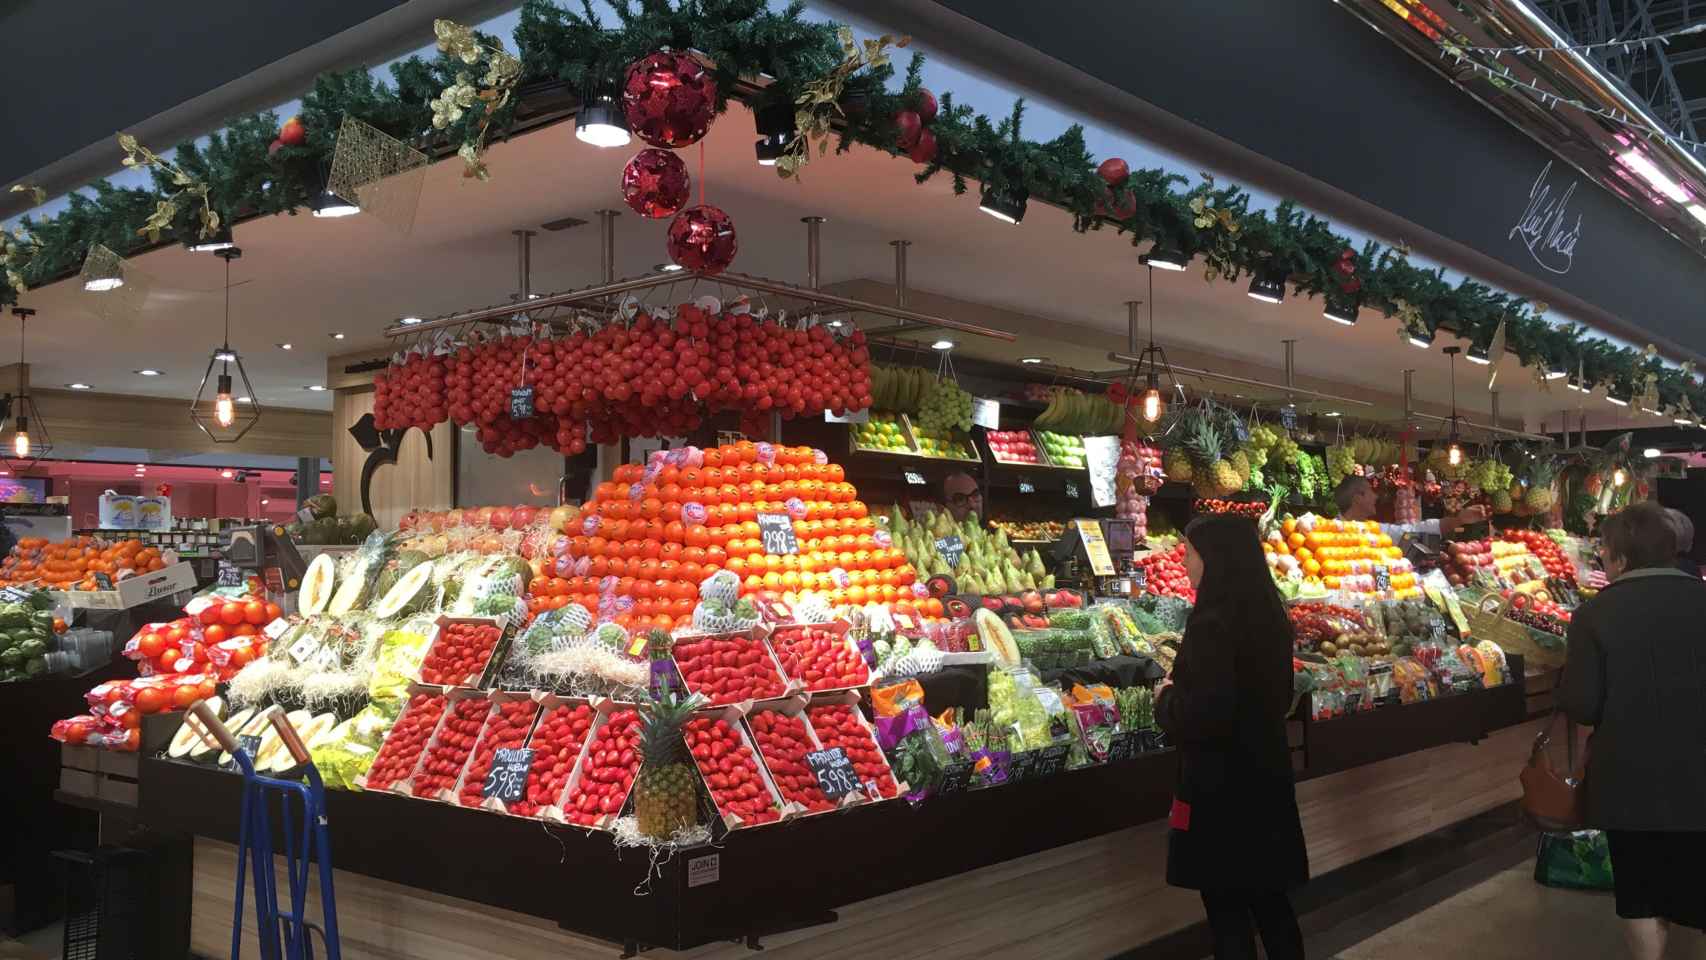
x=1454 y=452
x=29 y=442
x=219 y=416
x=1163 y=257
x=1268 y=284
x=775 y=124
x=602 y=123
x=1007 y=205
x=1343 y=312
x=1152 y=403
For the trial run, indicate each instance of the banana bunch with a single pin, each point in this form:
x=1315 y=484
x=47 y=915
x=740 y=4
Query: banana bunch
x=1374 y=451
x=899 y=388
x=1072 y=411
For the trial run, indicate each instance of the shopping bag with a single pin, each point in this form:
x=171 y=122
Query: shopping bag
x=1579 y=860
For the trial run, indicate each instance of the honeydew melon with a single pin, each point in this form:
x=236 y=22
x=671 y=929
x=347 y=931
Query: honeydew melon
x=273 y=756
x=409 y=594
x=996 y=637
x=203 y=750
x=317 y=585
x=356 y=587
x=254 y=726
x=189 y=732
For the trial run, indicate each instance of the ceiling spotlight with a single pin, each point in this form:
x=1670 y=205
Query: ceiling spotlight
x=1478 y=354
x=1619 y=477
x=1031 y=359
x=1006 y=205
x=220 y=240
x=1333 y=413
x=1620 y=401
x=327 y=205
x=408 y=321
x=287 y=346
x=102 y=284
x=245 y=399
x=78 y=386
x=265 y=501
x=667 y=268
x=1163 y=258
x=1682 y=421
x=1268 y=285
x=1556 y=371
x=227 y=473
x=1420 y=338
x=602 y=123
x=776 y=133
x=337 y=336
x=147 y=372
x=1652 y=453
x=314 y=387
x=1344 y=314
x=942 y=345
x=225 y=354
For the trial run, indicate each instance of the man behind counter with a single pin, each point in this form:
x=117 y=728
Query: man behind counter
x=1356 y=501
x=962 y=496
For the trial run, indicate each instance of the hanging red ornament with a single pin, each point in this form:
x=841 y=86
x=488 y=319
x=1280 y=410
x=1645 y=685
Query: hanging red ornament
x=164 y=489
x=925 y=102
x=654 y=183
x=1113 y=171
x=669 y=99
x=924 y=150
x=702 y=239
x=906 y=128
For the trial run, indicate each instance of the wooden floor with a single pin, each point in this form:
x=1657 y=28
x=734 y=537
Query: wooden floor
x=1088 y=900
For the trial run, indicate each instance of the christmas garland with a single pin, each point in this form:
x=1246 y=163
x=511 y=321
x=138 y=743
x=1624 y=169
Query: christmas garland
x=248 y=173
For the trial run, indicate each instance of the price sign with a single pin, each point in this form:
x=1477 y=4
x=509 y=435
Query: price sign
x=1241 y=430
x=1025 y=486
x=15 y=594
x=956 y=777
x=103 y=582
x=950 y=548
x=904 y=622
x=851 y=416
x=1139 y=579
x=1050 y=760
x=250 y=744
x=1288 y=417
x=1072 y=489
x=777 y=530
x=276 y=629
x=507 y=779
x=986 y=413
x=1126 y=745
x=1022 y=766
x=327 y=660
x=1095 y=548
x=305 y=647
x=1102 y=459
x=521 y=403
x=914 y=478
x=229 y=575
x=1382 y=579
x=834 y=772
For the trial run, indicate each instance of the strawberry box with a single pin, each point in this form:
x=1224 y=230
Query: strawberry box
x=783 y=738
x=728 y=762
x=819 y=657
x=838 y=722
x=598 y=788
x=729 y=667
x=508 y=722
x=440 y=767
x=464 y=651
x=558 y=740
x=407 y=740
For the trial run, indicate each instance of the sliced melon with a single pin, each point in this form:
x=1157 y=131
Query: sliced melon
x=996 y=637
x=317 y=585
x=203 y=750
x=255 y=726
x=190 y=731
x=410 y=594
x=356 y=587
x=273 y=756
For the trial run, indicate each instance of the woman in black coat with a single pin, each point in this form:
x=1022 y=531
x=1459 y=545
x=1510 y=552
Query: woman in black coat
x=1636 y=673
x=1235 y=833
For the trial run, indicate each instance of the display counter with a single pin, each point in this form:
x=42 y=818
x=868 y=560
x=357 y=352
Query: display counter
x=803 y=874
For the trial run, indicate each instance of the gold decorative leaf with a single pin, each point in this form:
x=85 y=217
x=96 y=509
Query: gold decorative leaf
x=36 y=193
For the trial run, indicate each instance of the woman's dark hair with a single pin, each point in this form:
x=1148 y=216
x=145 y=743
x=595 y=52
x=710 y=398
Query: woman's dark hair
x=1641 y=534
x=1236 y=585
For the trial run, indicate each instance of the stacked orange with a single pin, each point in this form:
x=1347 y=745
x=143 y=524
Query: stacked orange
x=1332 y=550
x=659 y=557
x=72 y=564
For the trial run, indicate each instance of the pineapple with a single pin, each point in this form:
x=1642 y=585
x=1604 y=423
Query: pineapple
x=666 y=797
x=1177 y=466
x=1501 y=501
x=1240 y=462
x=1540 y=477
x=1226 y=478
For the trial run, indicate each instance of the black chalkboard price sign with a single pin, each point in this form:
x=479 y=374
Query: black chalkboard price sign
x=956 y=777
x=950 y=548
x=835 y=774
x=1050 y=761
x=250 y=744
x=507 y=779
x=521 y=403
x=777 y=530
x=1126 y=745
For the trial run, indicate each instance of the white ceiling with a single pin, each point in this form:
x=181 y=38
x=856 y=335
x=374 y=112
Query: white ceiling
x=304 y=279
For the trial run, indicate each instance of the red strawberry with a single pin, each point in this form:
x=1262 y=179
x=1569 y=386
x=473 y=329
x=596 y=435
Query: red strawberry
x=607 y=772
x=822 y=658
x=840 y=726
x=729 y=669
x=730 y=770
x=556 y=744
x=444 y=760
x=783 y=743
x=505 y=729
x=407 y=739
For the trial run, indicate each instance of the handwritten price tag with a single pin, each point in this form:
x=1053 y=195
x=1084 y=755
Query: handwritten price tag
x=834 y=771
x=777 y=531
x=507 y=779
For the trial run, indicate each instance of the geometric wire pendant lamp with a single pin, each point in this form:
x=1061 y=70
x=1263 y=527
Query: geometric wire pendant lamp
x=219 y=414
x=28 y=440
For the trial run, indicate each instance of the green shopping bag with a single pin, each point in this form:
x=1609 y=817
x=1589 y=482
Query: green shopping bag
x=1579 y=860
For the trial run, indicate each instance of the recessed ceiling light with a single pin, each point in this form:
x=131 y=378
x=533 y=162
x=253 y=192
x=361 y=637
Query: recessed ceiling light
x=245 y=399
x=225 y=355
x=314 y=387
x=78 y=386
x=942 y=345
x=287 y=346
x=1030 y=359
x=337 y=336
x=1651 y=452
x=146 y=372
x=265 y=501
x=409 y=321
x=1332 y=413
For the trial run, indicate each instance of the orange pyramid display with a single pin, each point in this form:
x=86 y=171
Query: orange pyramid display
x=654 y=532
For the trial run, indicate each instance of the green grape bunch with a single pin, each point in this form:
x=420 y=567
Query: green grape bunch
x=1341 y=463
x=945 y=406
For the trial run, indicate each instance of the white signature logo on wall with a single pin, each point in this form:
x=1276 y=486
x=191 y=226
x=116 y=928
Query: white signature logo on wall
x=1545 y=227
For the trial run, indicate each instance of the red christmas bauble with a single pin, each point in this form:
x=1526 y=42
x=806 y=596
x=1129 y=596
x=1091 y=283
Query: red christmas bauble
x=924 y=149
x=654 y=183
x=669 y=99
x=906 y=128
x=702 y=238
x=1113 y=171
x=926 y=105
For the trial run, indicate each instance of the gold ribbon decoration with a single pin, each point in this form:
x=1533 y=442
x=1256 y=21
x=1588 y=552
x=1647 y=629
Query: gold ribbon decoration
x=1495 y=353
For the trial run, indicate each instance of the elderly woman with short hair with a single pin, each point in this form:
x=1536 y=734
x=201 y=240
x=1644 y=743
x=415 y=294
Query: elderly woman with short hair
x=1684 y=542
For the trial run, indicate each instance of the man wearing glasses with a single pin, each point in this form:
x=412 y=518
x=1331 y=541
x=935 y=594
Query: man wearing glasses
x=963 y=497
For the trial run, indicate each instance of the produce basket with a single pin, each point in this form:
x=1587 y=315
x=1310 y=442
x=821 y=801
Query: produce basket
x=439 y=769
x=788 y=770
x=721 y=771
x=438 y=668
x=957 y=436
x=1487 y=621
x=804 y=664
x=400 y=754
x=695 y=656
x=598 y=789
x=885 y=785
x=558 y=740
x=854 y=446
x=105 y=892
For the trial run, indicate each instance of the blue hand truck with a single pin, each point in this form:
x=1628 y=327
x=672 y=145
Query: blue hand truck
x=305 y=842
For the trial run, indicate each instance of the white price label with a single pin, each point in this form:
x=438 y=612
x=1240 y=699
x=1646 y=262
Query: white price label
x=1102 y=457
x=304 y=648
x=850 y=416
x=986 y=413
x=276 y=629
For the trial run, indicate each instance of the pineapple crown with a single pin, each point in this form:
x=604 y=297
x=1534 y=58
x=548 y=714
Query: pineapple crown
x=661 y=719
x=1203 y=442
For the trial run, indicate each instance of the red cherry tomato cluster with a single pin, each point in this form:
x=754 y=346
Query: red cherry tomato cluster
x=652 y=377
x=783 y=742
x=460 y=654
x=449 y=751
x=408 y=737
x=506 y=729
x=730 y=771
x=1551 y=555
x=1240 y=507
x=411 y=393
x=822 y=658
x=608 y=772
x=556 y=747
x=729 y=669
x=841 y=726
x=1166 y=574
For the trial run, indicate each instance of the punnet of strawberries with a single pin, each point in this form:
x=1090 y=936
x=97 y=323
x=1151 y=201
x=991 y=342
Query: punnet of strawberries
x=729 y=669
x=819 y=657
x=505 y=728
x=783 y=743
x=1165 y=574
x=556 y=744
x=839 y=725
x=608 y=771
x=407 y=739
x=449 y=751
x=460 y=653
x=730 y=770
